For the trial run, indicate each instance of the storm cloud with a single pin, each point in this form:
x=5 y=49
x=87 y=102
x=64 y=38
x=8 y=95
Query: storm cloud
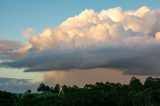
x=113 y=38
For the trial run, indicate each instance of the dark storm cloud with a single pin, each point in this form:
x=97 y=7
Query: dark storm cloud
x=134 y=59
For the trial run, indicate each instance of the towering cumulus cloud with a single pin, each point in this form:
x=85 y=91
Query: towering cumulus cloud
x=113 y=38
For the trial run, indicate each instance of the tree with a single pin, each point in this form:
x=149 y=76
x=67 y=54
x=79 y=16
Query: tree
x=99 y=94
x=135 y=84
x=47 y=88
x=28 y=91
x=152 y=82
x=75 y=87
x=57 y=88
x=88 y=86
x=64 y=88
x=43 y=87
x=52 y=89
x=7 y=99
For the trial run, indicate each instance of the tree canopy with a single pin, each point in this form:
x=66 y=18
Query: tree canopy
x=98 y=94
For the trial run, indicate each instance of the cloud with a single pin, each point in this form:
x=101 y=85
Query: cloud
x=28 y=32
x=8 y=49
x=17 y=85
x=7 y=45
x=112 y=38
x=90 y=76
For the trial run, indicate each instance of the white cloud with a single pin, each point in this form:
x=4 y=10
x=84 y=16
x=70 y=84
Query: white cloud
x=110 y=38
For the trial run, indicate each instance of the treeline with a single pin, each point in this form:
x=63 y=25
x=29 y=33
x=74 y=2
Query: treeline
x=99 y=94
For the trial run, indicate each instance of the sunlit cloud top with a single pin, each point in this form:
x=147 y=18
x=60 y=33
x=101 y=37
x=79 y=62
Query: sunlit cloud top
x=112 y=38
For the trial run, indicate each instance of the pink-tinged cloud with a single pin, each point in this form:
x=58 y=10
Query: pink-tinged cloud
x=8 y=49
x=112 y=38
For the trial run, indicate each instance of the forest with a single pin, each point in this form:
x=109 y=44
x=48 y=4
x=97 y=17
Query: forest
x=135 y=93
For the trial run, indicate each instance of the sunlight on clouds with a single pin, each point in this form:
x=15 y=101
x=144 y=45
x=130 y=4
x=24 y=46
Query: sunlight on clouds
x=111 y=38
x=95 y=27
x=139 y=12
x=115 y=14
x=81 y=77
x=55 y=76
x=157 y=36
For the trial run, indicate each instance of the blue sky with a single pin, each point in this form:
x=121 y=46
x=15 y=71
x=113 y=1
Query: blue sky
x=17 y=15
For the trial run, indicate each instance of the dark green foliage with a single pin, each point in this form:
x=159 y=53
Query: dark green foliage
x=64 y=89
x=45 y=88
x=28 y=91
x=40 y=100
x=7 y=99
x=99 y=94
x=42 y=87
x=56 y=89
x=152 y=82
x=135 y=84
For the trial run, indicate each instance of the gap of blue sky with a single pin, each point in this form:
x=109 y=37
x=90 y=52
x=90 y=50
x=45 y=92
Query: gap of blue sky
x=17 y=15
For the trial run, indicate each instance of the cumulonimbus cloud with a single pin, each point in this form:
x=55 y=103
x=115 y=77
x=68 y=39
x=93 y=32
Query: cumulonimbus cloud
x=113 y=38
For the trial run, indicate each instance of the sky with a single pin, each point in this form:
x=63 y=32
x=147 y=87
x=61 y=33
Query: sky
x=17 y=15
x=77 y=42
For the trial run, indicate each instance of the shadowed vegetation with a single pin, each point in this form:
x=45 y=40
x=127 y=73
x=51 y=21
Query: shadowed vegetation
x=99 y=94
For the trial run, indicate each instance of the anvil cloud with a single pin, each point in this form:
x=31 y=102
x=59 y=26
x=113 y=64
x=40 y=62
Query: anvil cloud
x=112 y=38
